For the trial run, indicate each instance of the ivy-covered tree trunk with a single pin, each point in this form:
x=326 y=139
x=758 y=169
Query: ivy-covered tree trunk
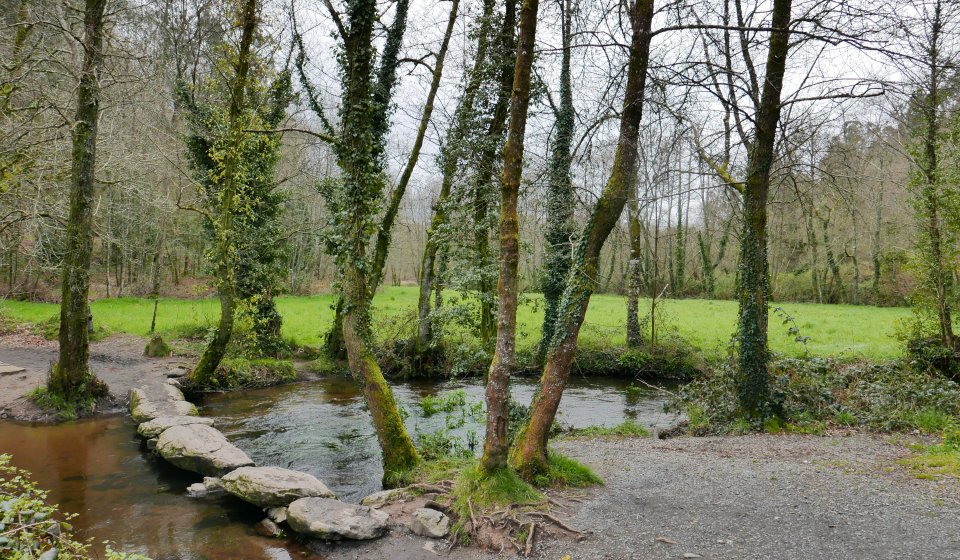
x=385 y=228
x=225 y=249
x=360 y=156
x=496 y=444
x=450 y=157
x=634 y=338
x=753 y=282
x=381 y=100
x=529 y=453
x=71 y=376
x=560 y=196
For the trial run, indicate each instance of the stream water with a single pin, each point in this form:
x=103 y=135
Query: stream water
x=100 y=469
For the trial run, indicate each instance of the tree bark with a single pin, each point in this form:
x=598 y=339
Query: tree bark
x=753 y=280
x=496 y=444
x=71 y=375
x=359 y=155
x=529 y=454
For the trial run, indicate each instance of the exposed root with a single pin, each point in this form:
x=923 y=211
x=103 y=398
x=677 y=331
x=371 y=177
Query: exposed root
x=557 y=522
x=530 y=536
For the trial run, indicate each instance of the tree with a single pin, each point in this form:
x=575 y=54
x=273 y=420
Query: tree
x=560 y=195
x=488 y=66
x=229 y=180
x=496 y=444
x=529 y=452
x=354 y=199
x=71 y=378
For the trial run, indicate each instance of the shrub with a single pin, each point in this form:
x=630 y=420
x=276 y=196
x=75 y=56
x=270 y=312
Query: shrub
x=242 y=373
x=157 y=348
x=808 y=393
x=30 y=527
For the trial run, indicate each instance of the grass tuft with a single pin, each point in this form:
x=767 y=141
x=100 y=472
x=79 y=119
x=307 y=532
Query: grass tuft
x=563 y=471
x=628 y=428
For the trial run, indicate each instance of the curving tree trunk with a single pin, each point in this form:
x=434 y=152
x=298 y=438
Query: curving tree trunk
x=71 y=376
x=496 y=444
x=529 y=453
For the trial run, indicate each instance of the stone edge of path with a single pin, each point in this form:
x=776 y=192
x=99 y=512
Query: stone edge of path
x=172 y=408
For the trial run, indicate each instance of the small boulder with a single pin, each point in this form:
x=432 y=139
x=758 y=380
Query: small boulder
x=430 y=523
x=209 y=487
x=324 y=518
x=155 y=427
x=273 y=486
x=384 y=497
x=173 y=392
x=277 y=514
x=269 y=529
x=201 y=449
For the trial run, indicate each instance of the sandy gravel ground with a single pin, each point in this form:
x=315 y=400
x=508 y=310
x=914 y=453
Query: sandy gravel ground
x=118 y=361
x=758 y=496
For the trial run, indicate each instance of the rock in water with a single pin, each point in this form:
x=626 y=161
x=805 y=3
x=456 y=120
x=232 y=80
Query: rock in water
x=333 y=520
x=157 y=426
x=143 y=409
x=269 y=487
x=201 y=449
x=430 y=523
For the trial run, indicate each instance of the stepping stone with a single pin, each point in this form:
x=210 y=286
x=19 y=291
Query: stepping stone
x=270 y=487
x=7 y=369
x=328 y=519
x=201 y=449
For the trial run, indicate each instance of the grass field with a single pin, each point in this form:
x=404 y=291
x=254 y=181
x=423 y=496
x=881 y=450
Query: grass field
x=834 y=330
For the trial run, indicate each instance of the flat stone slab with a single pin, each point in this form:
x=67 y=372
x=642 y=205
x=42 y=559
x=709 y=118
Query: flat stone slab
x=155 y=427
x=201 y=449
x=384 y=497
x=143 y=409
x=270 y=487
x=7 y=369
x=324 y=518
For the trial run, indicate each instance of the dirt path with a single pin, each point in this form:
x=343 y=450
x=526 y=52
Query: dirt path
x=117 y=360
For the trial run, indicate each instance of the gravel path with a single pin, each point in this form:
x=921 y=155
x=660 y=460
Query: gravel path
x=759 y=496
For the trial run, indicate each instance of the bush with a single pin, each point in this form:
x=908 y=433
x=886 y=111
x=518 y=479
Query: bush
x=242 y=373
x=157 y=348
x=30 y=527
x=808 y=393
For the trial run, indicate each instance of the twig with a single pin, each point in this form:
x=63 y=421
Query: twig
x=529 y=548
x=559 y=523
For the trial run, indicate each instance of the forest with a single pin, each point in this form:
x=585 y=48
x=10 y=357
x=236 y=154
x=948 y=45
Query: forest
x=503 y=238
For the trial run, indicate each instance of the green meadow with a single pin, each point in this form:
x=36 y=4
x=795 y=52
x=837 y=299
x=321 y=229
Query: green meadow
x=844 y=331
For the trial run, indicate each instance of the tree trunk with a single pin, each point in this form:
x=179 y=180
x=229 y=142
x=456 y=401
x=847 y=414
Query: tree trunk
x=753 y=282
x=529 y=454
x=496 y=444
x=634 y=338
x=225 y=244
x=560 y=196
x=71 y=375
x=359 y=151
